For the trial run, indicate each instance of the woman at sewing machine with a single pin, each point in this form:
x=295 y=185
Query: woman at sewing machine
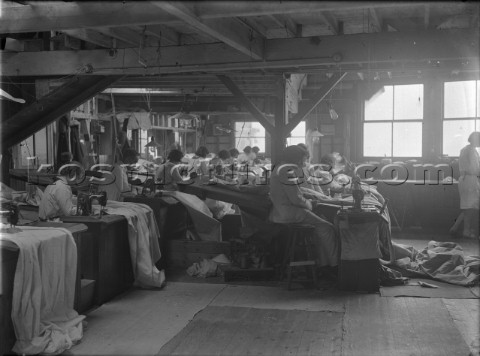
x=57 y=198
x=168 y=173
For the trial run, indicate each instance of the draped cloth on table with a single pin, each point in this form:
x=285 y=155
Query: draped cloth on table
x=44 y=290
x=207 y=228
x=143 y=235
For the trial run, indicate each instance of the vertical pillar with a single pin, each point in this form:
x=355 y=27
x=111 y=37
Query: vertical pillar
x=278 y=142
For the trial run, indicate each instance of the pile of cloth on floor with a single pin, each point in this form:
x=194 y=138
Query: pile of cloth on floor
x=443 y=261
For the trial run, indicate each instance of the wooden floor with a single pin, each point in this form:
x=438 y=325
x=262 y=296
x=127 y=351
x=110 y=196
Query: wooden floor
x=196 y=319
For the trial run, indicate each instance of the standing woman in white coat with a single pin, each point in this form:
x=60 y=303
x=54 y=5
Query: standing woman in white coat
x=469 y=185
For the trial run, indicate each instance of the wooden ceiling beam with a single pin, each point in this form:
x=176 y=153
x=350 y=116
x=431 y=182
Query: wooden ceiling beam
x=123 y=34
x=229 y=31
x=375 y=49
x=286 y=23
x=256 y=113
x=51 y=106
x=330 y=21
x=59 y=16
x=213 y=9
x=426 y=16
x=316 y=99
x=166 y=35
x=376 y=20
x=94 y=37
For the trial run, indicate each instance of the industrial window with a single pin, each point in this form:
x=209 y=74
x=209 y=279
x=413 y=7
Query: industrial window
x=249 y=133
x=393 y=122
x=461 y=114
x=298 y=135
x=35 y=150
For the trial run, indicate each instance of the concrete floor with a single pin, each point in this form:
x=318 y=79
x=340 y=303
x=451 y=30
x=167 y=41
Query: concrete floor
x=140 y=322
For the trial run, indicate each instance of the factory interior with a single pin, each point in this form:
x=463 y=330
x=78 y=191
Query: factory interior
x=240 y=178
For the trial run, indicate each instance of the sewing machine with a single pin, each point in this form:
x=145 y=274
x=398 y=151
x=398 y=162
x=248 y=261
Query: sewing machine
x=84 y=202
x=357 y=193
x=9 y=214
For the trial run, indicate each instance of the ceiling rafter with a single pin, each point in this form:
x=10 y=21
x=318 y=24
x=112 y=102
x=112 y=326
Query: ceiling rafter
x=426 y=16
x=162 y=33
x=232 y=33
x=287 y=23
x=122 y=34
x=298 y=53
x=94 y=37
x=331 y=21
x=376 y=20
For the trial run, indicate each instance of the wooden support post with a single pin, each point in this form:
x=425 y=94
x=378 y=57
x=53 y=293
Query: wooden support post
x=279 y=135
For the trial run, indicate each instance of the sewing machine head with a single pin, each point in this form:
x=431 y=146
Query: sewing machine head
x=357 y=193
x=85 y=200
x=9 y=214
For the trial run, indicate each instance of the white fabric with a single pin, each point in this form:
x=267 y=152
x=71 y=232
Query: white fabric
x=469 y=180
x=120 y=185
x=56 y=200
x=44 y=290
x=207 y=228
x=143 y=237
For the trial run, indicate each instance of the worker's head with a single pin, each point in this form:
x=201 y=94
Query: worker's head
x=130 y=156
x=305 y=148
x=202 y=151
x=294 y=155
x=175 y=156
x=255 y=149
x=224 y=154
x=247 y=150
x=234 y=152
x=474 y=138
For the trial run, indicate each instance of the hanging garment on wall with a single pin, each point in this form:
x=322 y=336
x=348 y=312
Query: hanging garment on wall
x=75 y=144
x=62 y=141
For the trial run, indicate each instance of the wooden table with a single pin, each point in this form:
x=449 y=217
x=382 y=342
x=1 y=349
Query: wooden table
x=251 y=202
x=105 y=254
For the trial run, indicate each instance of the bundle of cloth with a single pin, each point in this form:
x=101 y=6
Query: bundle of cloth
x=444 y=261
x=44 y=291
x=143 y=236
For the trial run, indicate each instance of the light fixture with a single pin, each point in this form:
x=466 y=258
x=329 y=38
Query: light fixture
x=153 y=143
x=331 y=111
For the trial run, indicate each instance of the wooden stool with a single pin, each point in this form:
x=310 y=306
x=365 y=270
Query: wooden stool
x=300 y=235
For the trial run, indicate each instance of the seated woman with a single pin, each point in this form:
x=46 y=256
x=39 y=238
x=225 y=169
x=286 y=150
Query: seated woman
x=290 y=206
x=221 y=162
x=57 y=199
x=200 y=161
x=168 y=173
x=120 y=185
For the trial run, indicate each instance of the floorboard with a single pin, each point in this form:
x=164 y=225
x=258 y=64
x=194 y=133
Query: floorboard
x=249 y=331
x=400 y=326
x=142 y=321
x=466 y=315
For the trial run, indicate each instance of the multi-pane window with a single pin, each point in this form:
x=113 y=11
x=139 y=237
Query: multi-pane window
x=461 y=114
x=249 y=133
x=298 y=135
x=393 y=122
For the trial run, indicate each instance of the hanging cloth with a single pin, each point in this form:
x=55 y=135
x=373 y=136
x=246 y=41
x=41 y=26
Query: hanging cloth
x=62 y=146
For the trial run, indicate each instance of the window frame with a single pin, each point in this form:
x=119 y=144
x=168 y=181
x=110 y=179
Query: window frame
x=240 y=137
x=392 y=122
x=475 y=119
